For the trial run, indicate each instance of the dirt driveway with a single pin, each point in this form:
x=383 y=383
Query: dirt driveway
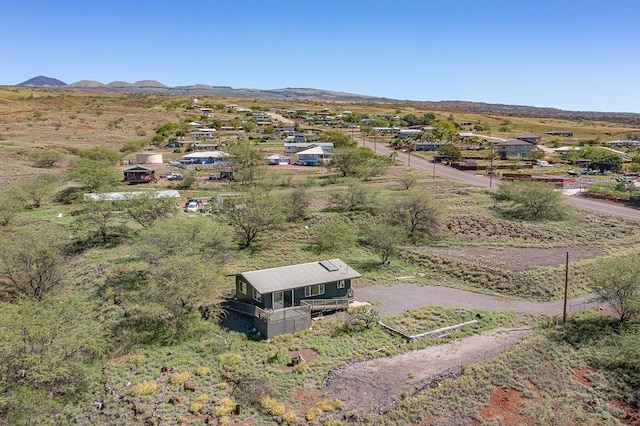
x=395 y=299
x=376 y=386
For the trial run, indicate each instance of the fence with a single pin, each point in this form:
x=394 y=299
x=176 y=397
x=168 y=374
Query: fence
x=433 y=333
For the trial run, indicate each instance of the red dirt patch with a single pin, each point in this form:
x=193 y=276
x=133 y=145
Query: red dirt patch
x=582 y=376
x=308 y=355
x=505 y=405
x=632 y=416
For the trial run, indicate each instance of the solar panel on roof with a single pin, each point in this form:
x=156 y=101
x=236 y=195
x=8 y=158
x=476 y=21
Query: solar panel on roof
x=328 y=265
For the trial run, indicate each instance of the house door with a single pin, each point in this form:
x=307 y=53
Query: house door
x=282 y=299
x=278 y=300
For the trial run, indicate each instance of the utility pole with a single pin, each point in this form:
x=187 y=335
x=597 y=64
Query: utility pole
x=491 y=167
x=566 y=287
x=434 y=167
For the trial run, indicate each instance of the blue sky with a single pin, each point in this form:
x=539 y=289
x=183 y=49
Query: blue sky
x=569 y=54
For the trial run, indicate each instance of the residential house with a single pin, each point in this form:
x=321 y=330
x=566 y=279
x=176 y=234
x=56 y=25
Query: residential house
x=205 y=133
x=530 y=137
x=317 y=155
x=139 y=174
x=206 y=158
x=515 y=148
x=116 y=196
x=409 y=133
x=427 y=146
x=563 y=133
x=281 y=300
x=278 y=159
x=295 y=147
x=624 y=143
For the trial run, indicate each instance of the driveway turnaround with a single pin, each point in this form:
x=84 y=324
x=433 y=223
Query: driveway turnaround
x=398 y=298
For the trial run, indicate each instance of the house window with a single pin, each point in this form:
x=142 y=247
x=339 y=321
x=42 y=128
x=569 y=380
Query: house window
x=257 y=296
x=341 y=284
x=314 y=290
x=243 y=287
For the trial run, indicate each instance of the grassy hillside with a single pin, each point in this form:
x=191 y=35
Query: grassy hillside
x=127 y=328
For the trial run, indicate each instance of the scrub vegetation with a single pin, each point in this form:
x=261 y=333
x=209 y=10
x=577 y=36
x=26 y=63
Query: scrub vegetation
x=110 y=310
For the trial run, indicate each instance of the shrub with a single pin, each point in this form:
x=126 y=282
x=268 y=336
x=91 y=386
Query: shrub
x=313 y=413
x=224 y=407
x=180 y=378
x=271 y=406
x=202 y=371
x=330 y=405
x=196 y=407
x=290 y=417
x=145 y=388
x=279 y=357
x=231 y=359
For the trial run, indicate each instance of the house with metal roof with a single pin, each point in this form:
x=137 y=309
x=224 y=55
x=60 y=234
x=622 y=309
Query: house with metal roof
x=515 y=148
x=282 y=300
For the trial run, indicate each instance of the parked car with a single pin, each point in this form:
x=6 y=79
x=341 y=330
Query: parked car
x=192 y=207
x=573 y=173
x=542 y=163
x=588 y=172
x=174 y=176
x=625 y=179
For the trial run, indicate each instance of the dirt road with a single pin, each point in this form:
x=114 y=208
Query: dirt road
x=376 y=386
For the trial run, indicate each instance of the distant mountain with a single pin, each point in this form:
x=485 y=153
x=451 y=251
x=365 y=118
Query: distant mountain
x=88 y=84
x=119 y=84
x=149 y=84
x=305 y=94
x=42 y=81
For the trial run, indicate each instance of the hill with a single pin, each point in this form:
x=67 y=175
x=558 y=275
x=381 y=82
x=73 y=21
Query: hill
x=42 y=81
x=322 y=95
x=87 y=83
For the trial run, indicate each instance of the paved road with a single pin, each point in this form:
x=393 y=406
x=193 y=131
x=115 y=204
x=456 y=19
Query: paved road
x=396 y=299
x=468 y=177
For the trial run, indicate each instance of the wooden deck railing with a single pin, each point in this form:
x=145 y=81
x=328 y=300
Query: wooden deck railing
x=327 y=304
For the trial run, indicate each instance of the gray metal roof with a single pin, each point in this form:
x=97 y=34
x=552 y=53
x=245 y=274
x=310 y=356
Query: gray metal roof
x=296 y=276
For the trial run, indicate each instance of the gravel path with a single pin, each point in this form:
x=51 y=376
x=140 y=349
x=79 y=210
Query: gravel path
x=396 y=299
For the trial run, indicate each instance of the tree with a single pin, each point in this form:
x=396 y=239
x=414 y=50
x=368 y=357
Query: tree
x=246 y=160
x=182 y=284
x=95 y=175
x=357 y=197
x=31 y=193
x=449 y=153
x=332 y=235
x=33 y=264
x=384 y=239
x=339 y=139
x=133 y=146
x=146 y=210
x=100 y=218
x=617 y=284
x=186 y=236
x=407 y=180
x=297 y=203
x=10 y=205
x=253 y=215
x=350 y=161
x=46 y=354
x=533 y=201
x=418 y=213
x=47 y=157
